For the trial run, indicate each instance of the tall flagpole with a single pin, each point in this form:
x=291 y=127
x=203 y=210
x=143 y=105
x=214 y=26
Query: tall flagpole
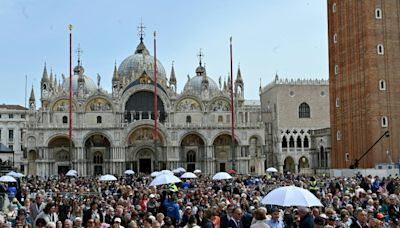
x=155 y=108
x=232 y=111
x=70 y=89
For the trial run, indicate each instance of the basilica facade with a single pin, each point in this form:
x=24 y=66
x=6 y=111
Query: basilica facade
x=113 y=131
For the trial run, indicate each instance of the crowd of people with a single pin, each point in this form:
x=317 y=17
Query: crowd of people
x=359 y=201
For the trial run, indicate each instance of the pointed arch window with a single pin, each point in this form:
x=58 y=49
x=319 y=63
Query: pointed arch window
x=304 y=110
x=284 y=142
x=291 y=142
x=306 y=144
x=298 y=144
x=99 y=119
x=65 y=119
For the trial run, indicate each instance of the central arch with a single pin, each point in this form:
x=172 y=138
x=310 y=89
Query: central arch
x=140 y=106
x=97 y=150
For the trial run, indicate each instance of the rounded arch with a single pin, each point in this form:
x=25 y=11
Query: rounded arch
x=304 y=110
x=32 y=155
x=219 y=104
x=97 y=140
x=188 y=103
x=203 y=140
x=288 y=165
x=143 y=133
x=303 y=162
x=147 y=88
x=93 y=133
x=162 y=131
x=59 y=140
x=62 y=105
x=237 y=140
x=99 y=104
x=257 y=136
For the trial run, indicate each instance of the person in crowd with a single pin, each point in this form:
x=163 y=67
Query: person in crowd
x=275 y=222
x=260 y=217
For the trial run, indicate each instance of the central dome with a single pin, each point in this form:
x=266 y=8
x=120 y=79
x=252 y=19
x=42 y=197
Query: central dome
x=194 y=85
x=90 y=86
x=133 y=66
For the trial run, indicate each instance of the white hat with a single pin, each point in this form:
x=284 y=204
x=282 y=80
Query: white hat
x=117 y=219
x=152 y=196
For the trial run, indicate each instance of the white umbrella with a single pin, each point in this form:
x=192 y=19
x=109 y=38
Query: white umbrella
x=15 y=174
x=154 y=174
x=272 y=170
x=176 y=171
x=188 y=175
x=7 y=179
x=182 y=170
x=165 y=179
x=108 y=177
x=129 y=172
x=291 y=196
x=71 y=173
x=166 y=171
x=222 y=176
x=197 y=171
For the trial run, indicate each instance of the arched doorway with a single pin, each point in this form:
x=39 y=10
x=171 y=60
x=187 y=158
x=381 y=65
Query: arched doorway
x=303 y=163
x=60 y=152
x=289 y=165
x=223 y=152
x=192 y=147
x=144 y=158
x=97 y=149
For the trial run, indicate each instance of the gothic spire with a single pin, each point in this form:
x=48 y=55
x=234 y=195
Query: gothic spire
x=32 y=97
x=115 y=74
x=239 y=75
x=45 y=77
x=172 y=77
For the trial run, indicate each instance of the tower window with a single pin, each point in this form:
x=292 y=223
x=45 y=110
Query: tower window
x=337 y=102
x=298 y=144
x=99 y=119
x=338 y=135
x=347 y=157
x=378 y=13
x=65 y=119
x=336 y=69
x=384 y=121
x=220 y=119
x=335 y=38
x=291 y=142
x=382 y=84
x=334 y=7
x=304 y=110
x=306 y=142
x=380 y=49
x=284 y=142
x=188 y=119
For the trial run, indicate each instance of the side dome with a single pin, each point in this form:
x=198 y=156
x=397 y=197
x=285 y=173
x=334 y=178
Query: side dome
x=90 y=86
x=194 y=85
x=134 y=65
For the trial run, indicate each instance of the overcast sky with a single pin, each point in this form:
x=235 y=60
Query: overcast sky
x=288 y=37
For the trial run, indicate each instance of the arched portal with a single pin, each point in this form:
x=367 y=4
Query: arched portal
x=303 y=163
x=192 y=147
x=145 y=158
x=289 y=165
x=60 y=152
x=140 y=106
x=97 y=149
x=223 y=152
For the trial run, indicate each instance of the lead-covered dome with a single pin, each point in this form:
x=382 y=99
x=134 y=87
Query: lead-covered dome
x=133 y=66
x=89 y=87
x=194 y=84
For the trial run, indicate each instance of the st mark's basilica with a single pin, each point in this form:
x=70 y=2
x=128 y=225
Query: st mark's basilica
x=112 y=132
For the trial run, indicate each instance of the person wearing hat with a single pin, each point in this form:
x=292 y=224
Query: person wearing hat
x=152 y=204
x=117 y=223
x=186 y=215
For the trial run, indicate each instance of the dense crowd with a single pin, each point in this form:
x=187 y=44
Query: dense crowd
x=359 y=201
